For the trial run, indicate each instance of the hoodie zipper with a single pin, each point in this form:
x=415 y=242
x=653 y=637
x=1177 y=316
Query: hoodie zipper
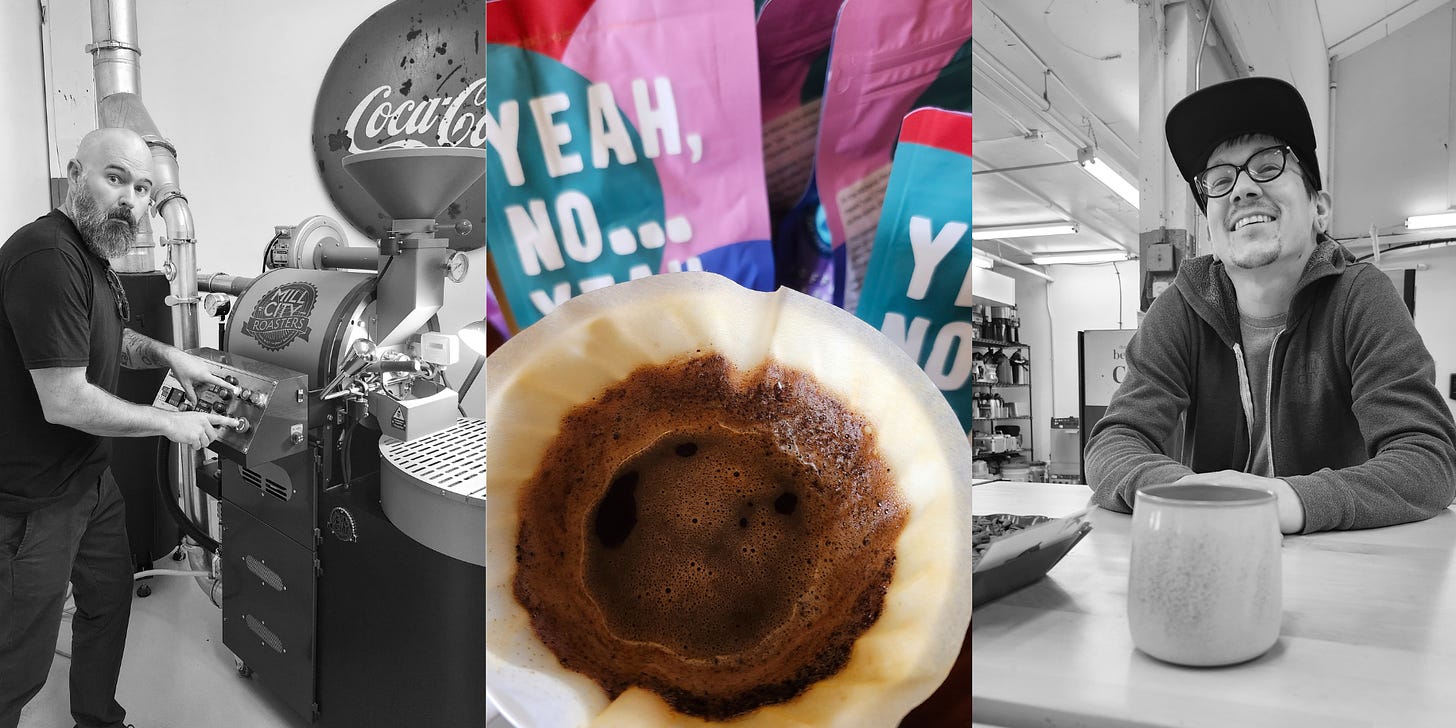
x=1246 y=398
x=1268 y=400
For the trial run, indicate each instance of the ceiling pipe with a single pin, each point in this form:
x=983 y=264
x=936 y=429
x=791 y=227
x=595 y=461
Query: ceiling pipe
x=1003 y=170
x=1202 y=45
x=116 y=65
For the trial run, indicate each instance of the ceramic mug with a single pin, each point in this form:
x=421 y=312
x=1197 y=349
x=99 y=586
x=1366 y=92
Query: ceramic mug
x=1204 y=584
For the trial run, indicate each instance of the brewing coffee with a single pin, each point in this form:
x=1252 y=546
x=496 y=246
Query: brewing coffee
x=740 y=531
x=623 y=416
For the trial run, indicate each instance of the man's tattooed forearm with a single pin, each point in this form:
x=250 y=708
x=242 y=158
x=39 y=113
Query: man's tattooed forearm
x=140 y=352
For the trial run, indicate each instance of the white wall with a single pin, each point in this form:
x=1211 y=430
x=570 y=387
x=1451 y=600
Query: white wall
x=233 y=86
x=1394 y=133
x=1082 y=297
x=1393 y=127
x=24 y=185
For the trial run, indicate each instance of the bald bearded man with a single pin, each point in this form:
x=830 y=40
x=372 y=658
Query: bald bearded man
x=63 y=337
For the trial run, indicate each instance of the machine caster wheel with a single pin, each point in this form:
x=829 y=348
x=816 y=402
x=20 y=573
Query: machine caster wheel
x=144 y=590
x=177 y=555
x=244 y=671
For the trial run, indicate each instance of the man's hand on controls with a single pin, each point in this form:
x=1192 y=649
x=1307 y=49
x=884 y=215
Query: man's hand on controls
x=1291 y=508
x=193 y=372
x=197 y=429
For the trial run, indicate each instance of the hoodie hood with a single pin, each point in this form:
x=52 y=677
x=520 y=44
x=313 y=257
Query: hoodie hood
x=1206 y=286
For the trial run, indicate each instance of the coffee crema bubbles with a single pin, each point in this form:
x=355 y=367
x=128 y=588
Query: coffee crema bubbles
x=718 y=537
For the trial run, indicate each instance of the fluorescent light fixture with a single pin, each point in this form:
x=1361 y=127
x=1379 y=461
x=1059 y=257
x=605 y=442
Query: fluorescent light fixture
x=1095 y=256
x=1023 y=231
x=1108 y=176
x=979 y=260
x=1437 y=220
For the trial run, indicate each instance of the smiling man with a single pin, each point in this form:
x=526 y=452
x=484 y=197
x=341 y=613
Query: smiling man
x=1288 y=366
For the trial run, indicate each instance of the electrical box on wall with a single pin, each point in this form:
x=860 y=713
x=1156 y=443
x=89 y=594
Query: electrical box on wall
x=1158 y=258
x=1160 y=251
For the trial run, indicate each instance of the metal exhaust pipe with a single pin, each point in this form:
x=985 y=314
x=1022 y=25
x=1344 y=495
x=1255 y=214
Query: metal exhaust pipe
x=116 y=64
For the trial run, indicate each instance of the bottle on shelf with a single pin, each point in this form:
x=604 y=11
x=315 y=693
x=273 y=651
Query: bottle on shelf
x=1003 y=367
x=1020 y=367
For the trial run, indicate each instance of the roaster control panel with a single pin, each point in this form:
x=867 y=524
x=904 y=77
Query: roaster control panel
x=268 y=405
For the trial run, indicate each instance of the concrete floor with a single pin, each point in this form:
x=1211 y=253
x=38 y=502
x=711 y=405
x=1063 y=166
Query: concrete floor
x=177 y=673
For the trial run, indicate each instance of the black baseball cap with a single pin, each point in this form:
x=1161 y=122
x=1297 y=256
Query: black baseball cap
x=1254 y=105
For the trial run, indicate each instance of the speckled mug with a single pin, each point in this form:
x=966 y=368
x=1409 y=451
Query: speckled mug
x=1204 y=583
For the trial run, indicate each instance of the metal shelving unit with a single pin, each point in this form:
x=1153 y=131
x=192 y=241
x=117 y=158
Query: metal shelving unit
x=1023 y=418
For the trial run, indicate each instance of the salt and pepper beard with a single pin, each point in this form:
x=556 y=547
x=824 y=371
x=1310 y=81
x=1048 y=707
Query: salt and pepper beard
x=108 y=233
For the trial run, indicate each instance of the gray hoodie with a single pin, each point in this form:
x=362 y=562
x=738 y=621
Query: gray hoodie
x=1357 y=426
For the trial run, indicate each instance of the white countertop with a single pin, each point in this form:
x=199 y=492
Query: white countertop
x=1368 y=636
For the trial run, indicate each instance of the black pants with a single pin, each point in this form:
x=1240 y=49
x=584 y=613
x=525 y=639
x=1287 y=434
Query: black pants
x=84 y=543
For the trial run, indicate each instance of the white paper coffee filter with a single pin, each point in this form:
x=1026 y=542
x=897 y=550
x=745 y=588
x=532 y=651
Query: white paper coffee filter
x=596 y=340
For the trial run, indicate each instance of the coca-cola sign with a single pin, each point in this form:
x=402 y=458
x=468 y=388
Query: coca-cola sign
x=411 y=75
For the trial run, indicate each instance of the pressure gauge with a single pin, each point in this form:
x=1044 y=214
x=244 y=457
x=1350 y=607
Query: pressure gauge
x=457 y=266
x=217 y=305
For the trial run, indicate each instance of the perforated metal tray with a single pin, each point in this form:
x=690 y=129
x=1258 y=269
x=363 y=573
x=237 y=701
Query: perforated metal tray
x=451 y=461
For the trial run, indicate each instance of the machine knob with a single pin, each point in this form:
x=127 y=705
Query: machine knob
x=230 y=379
x=242 y=425
x=224 y=394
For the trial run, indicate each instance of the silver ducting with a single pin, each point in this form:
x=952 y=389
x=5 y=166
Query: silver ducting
x=224 y=283
x=116 y=64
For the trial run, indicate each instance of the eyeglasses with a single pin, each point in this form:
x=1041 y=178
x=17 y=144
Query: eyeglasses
x=1262 y=166
x=123 y=306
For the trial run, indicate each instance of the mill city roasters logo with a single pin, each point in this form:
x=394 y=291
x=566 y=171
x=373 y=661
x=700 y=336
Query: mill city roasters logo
x=282 y=315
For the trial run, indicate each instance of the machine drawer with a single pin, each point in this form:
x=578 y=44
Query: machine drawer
x=269 y=602
x=281 y=494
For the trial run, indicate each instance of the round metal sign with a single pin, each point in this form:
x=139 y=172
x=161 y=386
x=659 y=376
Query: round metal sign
x=411 y=75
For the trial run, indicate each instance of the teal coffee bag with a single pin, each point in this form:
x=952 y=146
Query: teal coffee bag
x=917 y=287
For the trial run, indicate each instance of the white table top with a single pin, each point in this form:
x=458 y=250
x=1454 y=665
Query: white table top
x=1368 y=636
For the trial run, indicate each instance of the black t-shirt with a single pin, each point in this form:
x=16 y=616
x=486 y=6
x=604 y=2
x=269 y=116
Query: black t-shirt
x=56 y=310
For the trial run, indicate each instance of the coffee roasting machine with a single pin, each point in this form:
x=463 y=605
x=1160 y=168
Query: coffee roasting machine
x=352 y=491
x=350 y=494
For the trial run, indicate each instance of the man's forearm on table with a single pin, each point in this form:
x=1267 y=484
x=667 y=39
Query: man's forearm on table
x=1119 y=462
x=139 y=351
x=1403 y=483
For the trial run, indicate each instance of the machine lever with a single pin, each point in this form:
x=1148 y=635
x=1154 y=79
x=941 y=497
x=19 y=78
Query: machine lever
x=361 y=354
